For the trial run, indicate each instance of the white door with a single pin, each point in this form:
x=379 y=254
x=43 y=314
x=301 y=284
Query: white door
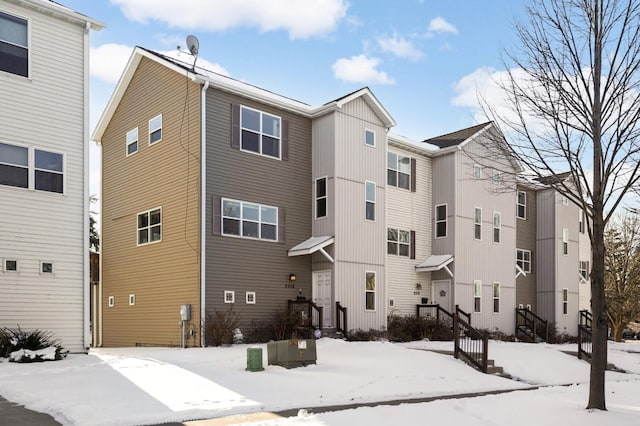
x=442 y=294
x=322 y=295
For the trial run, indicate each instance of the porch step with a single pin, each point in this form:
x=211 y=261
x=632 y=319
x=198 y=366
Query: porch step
x=492 y=368
x=333 y=333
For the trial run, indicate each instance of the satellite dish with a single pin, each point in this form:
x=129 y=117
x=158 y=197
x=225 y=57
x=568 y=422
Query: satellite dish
x=193 y=44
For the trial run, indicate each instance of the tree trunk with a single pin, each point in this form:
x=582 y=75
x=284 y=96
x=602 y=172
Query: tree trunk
x=617 y=331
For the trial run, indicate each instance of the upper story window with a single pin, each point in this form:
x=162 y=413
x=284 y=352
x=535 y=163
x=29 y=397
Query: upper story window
x=523 y=259
x=581 y=222
x=370 y=291
x=155 y=129
x=47 y=168
x=249 y=220
x=583 y=269
x=441 y=220
x=496 y=298
x=477 y=296
x=497 y=178
x=565 y=301
x=477 y=171
x=398 y=242
x=565 y=200
x=370 y=200
x=14 y=45
x=521 y=205
x=369 y=138
x=477 y=224
x=321 y=197
x=10 y=265
x=565 y=241
x=14 y=165
x=497 y=226
x=150 y=226
x=398 y=170
x=132 y=141
x=48 y=171
x=260 y=132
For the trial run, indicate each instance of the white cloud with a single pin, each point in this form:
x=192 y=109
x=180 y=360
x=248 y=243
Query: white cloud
x=108 y=61
x=360 y=69
x=439 y=25
x=399 y=46
x=302 y=19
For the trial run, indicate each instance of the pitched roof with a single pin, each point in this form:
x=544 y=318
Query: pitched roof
x=553 y=179
x=457 y=137
x=62 y=12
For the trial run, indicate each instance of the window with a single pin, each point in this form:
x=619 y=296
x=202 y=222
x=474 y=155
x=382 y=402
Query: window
x=369 y=138
x=477 y=296
x=565 y=200
x=496 y=227
x=260 y=132
x=229 y=296
x=398 y=170
x=477 y=171
x=370 y=291
x=46 y=268
x=477 y=224
x=48 y=171
x=398 y=242
x=581 y=222
x=150 y=226
x=441 y=221
x=132 y=299
x=112 y=301
x=14 y=45
x=249 y=220
x=14 y=165
x=523 y=259
x=521 y=205
x=250 y=297
x=321 y=198
x=370 y=200
x=155 y=129
x=10 y=265
x=132 y=141
x=496 y=298
x=565 y=241
x=583 y=269
x=497 y=178
x=565 y=301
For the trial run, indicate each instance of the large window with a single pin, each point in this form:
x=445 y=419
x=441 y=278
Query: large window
x=497 y=227
x=477 y=224
x=583 y=269
x=370 y=291
x=496 y=298
x=441 y=220
x=565 y=241
x=48 y=168
x=155 y=129
x=370 y=200
x=14 y=165
x=398 y=242
x=132 y=141
x=14 y=45
x=477 y=296
x=260 y=132
x=48 y=171
x=523 y=260
x=249 y=220
x=521 y=205
x=321 y=198
x=150 y=226
x=398 y=170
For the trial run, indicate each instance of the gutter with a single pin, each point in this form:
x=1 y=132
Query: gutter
x=86 y=293
x=203 y=203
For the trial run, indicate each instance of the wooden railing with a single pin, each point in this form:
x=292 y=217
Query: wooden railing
x=341 y=319
x=585 y=321
x=310 y=314
x=530 y=326
x=470 y=343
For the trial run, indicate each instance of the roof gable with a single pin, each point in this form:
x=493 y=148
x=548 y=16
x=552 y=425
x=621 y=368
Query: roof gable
x=458 y=137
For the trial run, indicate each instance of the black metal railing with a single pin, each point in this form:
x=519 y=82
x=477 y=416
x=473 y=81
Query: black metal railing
x=531 y=327
x=463 y=314
x=470 y=343
x=435 y=311
x=585 y=321
x=341 y=319
x=310 y=316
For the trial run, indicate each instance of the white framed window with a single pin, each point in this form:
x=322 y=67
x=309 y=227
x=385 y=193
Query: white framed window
x=370 y=291
x=477 y=296
x=497 y=227
x=132 y=299
x=46 y=167
x=250 y=297
x=229 y=296
x=369 y=138
x=46 y=268
x=477 y=224
x=155 y=129
x=521 y=205
x=249 y=220
x=398 y=242
x=528 y=307
x=49 y=171
x=370 y=200
x=565 y=301
x=581 y=222
x=150 y=226
x=477 y=171
x=520 y=306
x=261 y=132
x=321 y=198
x=10 y=265
x=565 y=200
x=565 y=241
x=392 y=302
x=441 y=221
x=497 y=178
x=14 y=165
x=583 y=270
x=523 y=259
x=14 y=45
x=496 y=298
x=398 y=170
x=112 y=301
x=132 y=141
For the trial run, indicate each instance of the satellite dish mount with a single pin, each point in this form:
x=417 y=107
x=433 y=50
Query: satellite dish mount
x=193 y=45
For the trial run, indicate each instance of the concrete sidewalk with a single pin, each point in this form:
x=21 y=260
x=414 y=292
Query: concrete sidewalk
x=13 y=414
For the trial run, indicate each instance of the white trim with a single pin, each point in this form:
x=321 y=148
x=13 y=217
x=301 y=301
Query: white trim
x=11 y=271
x=477 y=283
x=132 y=299
x=446 y=221
x=203 y=206
x=397 y=170
x=368 y=131
x=316 y=198
x=375 y=190
x=477 y=168
x=231 y=299
x=499 y=228
x=475 y=223
x=148 y=227
x=518 y=204
x=42 y=272
x=374 y=291
x=261 y=133
x=565 y=302
x=565 y=241
x=525 y=271
x=260 y=222
x=28 y=46
x=88 y=331
x=494 y=298
x=155 y=130
x=127 y=143
x=250 y=297
x=111 y=301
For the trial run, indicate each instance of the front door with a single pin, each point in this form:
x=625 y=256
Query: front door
x=322 y=294
x=442 y=294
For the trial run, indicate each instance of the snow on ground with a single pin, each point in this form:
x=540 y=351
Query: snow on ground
x=123 y=386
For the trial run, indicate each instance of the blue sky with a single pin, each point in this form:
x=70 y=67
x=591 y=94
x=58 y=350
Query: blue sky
x=423 y=59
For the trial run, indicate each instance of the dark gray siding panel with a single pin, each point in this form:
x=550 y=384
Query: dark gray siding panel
x=244 y=265
x=526 y=240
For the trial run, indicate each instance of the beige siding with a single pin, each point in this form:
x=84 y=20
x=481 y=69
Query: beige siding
x=162 y=275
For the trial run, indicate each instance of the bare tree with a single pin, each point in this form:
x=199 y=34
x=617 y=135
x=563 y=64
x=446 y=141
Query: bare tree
x=573 y=105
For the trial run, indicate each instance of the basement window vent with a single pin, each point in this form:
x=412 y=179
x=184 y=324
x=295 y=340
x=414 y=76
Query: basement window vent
x=251 y=298
x=132 y=299
x=10 y=265
x=229 y=296
x=520 y=306
x=392 y=303
x=46 y=267
x=112 y=301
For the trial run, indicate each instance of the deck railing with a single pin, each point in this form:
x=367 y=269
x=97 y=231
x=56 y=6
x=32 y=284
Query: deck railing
x=531 y=327
x=341 y=319
x=310 y=314
x=585 y=321
x=435 y=311
x=470 y=343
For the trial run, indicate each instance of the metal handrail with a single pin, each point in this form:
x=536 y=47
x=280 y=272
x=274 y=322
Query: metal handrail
x=538 y=326
x=341 y=319
x=472 y=344
x=312 y=312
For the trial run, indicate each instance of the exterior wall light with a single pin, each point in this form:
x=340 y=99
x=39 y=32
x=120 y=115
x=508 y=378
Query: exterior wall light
x=292 y=277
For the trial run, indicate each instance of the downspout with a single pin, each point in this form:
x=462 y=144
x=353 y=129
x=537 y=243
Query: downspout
x=85 y=187
x=203 y=203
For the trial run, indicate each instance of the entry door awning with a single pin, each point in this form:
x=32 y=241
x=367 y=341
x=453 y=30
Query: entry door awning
x=311 y=246
x=436 y=262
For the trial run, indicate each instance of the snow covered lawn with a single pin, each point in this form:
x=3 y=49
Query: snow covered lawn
x=152 y=385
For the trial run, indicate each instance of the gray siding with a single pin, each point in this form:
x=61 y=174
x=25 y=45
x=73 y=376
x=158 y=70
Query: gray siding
x=546 y=250
x=526 y=240
x=444 y=189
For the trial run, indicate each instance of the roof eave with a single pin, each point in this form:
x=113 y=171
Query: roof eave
x=58 y=10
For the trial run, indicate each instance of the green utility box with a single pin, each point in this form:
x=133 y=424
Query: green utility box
x=254 y=359
x=291 y=353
